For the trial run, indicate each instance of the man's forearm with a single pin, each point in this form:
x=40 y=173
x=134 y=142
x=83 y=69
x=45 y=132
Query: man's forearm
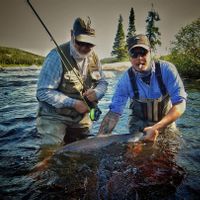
x=174 y=113
x=55 y=98
x=109 y=122
x=101 y=88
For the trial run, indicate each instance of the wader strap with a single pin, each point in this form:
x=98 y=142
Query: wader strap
x=133 y=83
x=152 y=110
x=155 y=111
x=160 y=79
x=144 y=111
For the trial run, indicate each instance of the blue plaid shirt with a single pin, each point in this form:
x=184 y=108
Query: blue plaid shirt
x=50 y=78
x=171 y=79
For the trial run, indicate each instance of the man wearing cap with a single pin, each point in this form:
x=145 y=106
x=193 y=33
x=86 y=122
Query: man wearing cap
x=63 y=114
x=156 y=93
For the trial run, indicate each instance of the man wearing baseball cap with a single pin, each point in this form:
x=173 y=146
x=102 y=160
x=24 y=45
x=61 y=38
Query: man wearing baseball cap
x=156 y=92
x=63 y=113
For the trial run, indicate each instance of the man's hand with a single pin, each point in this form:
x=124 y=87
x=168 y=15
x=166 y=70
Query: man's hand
x=174 y=113
x=151 y=134
x=91 y=95
x=81 y=107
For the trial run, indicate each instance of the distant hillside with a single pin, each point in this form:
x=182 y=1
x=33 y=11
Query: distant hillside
x=15 y=57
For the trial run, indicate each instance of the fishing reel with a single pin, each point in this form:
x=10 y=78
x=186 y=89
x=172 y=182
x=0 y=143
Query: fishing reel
x=95 y=111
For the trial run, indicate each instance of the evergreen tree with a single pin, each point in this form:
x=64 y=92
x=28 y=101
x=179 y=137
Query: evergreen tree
x=152 y=31
x=131 y=28
x=119 y=46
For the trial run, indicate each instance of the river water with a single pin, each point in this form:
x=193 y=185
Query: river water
x=19 y=141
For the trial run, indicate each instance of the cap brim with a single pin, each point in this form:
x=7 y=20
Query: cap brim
x=140 y=45
x=86 y=38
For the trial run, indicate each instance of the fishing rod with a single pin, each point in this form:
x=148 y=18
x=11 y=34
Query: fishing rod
x=95 y=112
x=60 y=52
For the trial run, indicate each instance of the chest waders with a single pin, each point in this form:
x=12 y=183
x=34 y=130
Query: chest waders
x=93 y=108
x=146 y=112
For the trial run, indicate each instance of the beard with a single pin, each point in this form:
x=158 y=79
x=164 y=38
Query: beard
x=76 y=55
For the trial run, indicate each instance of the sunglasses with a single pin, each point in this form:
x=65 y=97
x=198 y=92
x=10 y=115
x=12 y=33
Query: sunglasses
x=135 y=53
x=84 y=44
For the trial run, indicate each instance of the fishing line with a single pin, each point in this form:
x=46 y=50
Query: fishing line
x=60 y=52
x=94 y=110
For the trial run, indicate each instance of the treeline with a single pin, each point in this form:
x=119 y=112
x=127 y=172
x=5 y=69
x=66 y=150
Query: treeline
x=120 y=51
x=13 y=57
x=184 y=50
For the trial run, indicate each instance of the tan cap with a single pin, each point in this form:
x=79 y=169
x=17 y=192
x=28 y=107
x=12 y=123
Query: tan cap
x=83 y=31
x=140 y=40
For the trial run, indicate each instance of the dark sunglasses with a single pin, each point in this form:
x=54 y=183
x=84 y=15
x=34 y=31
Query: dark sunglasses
x=135 y=53
x=84 y=44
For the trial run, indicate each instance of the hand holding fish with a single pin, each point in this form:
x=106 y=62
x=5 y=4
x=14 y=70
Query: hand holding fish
x=151 y=134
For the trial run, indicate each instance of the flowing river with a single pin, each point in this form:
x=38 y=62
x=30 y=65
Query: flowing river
x=19 y=141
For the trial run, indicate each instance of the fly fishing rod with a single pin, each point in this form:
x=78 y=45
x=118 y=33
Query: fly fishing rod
x=95 y=112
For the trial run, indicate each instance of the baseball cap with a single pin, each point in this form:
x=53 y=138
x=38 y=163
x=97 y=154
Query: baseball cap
x=140 y=40
x=83 y=31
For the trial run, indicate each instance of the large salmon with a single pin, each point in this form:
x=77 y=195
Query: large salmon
x=96 y=143
x=99 y=142
x=108 y=167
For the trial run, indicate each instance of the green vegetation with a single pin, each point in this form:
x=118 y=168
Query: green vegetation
x=185 y=53
x=152 y=31
x=17 y=57
x=120 y=50
x=119 y=47
x=131 y=25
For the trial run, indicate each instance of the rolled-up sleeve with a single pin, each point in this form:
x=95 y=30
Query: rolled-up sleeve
x=174 y=84
x=49 y=80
